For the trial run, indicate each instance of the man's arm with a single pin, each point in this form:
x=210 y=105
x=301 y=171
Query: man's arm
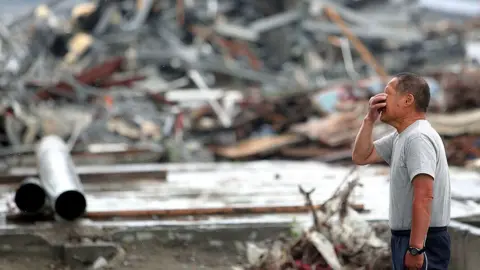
x=365 y=151
x=421 y=209
x=421 y=162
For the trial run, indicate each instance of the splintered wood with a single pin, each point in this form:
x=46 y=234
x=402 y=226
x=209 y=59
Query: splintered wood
x=339 y=239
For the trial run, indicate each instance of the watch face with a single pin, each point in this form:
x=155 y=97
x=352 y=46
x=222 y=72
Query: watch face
x=414 y=252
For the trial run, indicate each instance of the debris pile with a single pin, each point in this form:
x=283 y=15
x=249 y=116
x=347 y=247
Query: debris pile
x=215 y=80
x=339 y=239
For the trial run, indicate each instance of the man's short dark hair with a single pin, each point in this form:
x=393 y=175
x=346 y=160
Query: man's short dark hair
x=417 y=86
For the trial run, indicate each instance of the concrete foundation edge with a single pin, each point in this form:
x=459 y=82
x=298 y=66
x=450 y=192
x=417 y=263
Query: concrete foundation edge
x=465 y=240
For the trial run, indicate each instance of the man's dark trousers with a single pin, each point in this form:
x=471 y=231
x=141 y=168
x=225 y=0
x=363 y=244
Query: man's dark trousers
x=437 y=254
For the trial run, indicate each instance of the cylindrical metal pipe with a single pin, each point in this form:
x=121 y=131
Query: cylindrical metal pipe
x=59 y=178
x=30 y=196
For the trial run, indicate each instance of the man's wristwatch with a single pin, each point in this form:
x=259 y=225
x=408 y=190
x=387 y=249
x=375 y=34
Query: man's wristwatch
x=415 y=251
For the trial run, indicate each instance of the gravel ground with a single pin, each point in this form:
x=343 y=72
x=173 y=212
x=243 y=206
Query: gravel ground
x=141 y=257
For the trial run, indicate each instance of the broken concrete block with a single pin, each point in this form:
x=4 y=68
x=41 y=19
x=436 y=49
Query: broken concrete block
x=144 y=236
x=78 y=256
x=128 y=238
x=100 y=263
x=25 y=242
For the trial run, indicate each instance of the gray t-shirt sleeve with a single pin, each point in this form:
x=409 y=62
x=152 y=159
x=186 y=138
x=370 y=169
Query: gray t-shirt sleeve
x=384 y=147
x=420 y=157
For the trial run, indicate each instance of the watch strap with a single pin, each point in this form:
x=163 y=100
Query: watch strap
x=416 y=251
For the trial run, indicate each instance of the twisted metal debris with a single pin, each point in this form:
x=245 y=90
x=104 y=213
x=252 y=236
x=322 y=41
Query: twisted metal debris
x=206 y=80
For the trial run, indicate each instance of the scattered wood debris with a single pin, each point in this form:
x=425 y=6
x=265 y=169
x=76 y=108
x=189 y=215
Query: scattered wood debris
x=339 y=239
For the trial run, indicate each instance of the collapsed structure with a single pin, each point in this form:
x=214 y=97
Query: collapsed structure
x=234 y=80
x=200 y=81
x=339 y=239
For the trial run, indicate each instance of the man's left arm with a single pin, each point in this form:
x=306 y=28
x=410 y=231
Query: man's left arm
x=421 y=161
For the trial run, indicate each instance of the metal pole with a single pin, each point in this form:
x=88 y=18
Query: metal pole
x=59 y=178
x=30 y=196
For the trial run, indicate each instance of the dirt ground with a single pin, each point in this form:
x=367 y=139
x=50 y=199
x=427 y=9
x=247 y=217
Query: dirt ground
x=156 y=257
x=141 y=257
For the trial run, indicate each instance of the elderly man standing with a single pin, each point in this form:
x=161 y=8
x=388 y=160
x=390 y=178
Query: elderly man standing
x=420 y=181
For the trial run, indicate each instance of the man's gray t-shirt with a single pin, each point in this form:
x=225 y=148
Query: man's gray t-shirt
x=416 y=150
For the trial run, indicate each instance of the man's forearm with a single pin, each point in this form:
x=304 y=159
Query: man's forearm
x=421 y=211
x=363 y=146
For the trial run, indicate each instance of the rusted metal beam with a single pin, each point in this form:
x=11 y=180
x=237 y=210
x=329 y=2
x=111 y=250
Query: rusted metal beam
x=96 y=173
x=128 y=82
x=90 y=76
x=365 y=54
x=224 y=211
x=178 y=213
x=100 y=72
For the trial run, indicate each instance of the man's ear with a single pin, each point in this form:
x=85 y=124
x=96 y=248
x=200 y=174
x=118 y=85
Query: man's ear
x=409 y=99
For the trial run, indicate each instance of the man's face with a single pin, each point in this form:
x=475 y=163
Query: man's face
x=395 y=103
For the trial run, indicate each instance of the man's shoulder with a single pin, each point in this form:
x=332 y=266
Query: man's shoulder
x=424 y=138
x=423 y=131
x=392 y=134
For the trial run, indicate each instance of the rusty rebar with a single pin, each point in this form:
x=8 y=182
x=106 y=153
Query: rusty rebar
x=222 y=211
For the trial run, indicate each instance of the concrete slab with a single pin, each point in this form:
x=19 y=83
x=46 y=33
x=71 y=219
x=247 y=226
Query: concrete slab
x=77 y=245
x=254 y=184
x=215 y=236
